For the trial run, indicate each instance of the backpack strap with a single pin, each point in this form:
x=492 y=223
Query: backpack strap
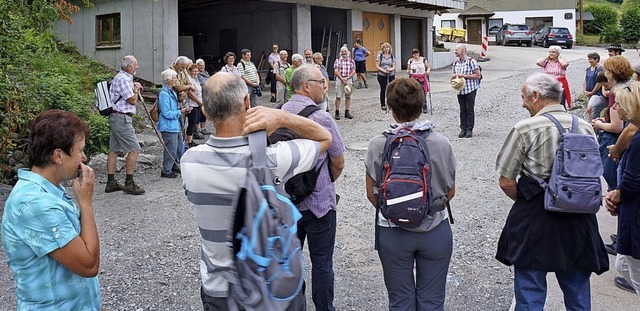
x=258 y=148
x=307 y=111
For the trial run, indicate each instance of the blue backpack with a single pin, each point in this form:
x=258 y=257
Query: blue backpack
x=574 y=185
x=268 y=269
x=404 y=195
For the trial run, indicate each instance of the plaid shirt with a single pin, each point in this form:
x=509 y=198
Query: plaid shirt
x=122 y=89
x=344 y=66
x=323 y=198
x=531 y=145
x=467 y=67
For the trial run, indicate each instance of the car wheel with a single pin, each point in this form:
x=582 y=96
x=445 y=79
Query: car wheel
x=569 y=46
x=545 y=43
x=444 y=38
x=529 y=44
x=498 y=41
x=533 y=41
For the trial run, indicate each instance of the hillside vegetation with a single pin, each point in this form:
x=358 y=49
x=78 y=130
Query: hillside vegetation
x=38 y=73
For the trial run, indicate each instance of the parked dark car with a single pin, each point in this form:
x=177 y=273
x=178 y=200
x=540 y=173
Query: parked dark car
x=514 y=33
x=553 y=36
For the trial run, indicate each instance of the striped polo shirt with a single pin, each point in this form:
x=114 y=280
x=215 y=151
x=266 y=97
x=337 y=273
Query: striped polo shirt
x=212 y=174
x=249 y=70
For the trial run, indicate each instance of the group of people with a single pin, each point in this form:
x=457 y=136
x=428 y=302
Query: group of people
x=52 y=244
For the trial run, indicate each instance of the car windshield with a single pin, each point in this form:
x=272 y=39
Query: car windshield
x=519 y=27
x=561 y=31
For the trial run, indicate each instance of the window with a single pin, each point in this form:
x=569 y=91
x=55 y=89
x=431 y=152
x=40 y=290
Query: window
x=494 y=25
x=108 y=30
x=448 y=23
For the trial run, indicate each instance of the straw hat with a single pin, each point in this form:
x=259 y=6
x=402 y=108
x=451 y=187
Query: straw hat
x=348 y=89
x=457 y=83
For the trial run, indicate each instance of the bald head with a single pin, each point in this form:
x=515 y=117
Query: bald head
x=460 y=51
x=223 y=96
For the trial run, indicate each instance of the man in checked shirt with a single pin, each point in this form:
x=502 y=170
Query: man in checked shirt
x=122 y=137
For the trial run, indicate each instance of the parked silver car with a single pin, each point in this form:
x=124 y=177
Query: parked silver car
x=514 y=33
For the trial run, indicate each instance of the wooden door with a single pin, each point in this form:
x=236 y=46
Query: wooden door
x=375 y=30
x=474 y=32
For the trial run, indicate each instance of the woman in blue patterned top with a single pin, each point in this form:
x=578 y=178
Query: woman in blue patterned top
x=51 y=242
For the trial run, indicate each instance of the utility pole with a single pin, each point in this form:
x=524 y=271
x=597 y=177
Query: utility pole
x=581 y=23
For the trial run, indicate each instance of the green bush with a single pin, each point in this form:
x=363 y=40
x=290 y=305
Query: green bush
x=38 y=73
x=579 y=37
x=630 y=23
x=611 y=33
x=603 y=14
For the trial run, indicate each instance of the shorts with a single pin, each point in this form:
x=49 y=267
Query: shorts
x=361 y=66
x=122 y=136
x=340 y=89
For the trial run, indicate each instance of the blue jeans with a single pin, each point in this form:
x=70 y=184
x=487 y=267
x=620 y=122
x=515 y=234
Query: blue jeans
x=173 y=141
x=530 y=288
x=321 y=233
x=610 y=167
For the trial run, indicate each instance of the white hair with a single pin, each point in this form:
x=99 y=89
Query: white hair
x=199 y=61
x=555 y=48
x=296 y=57
x=547 y=86
x=183 y=60
x=168 y=75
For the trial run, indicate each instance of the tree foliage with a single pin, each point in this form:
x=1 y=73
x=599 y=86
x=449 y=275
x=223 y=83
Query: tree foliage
x=611 y=33
x=603 y=14
x=630 y=23
x=38 y=73
x=628 y=4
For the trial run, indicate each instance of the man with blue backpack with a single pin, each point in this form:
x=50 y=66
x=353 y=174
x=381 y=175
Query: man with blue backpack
x=552 y=226
x=232 y=180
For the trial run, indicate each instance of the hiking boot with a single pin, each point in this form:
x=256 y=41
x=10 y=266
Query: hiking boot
x=169 y=175
x=113 y=186
x=384 y=107
x=130 y=187
x=273 y=99
x=365 y=85
x=197 y=135
x=347 y=114
x=469 y=134
x=359 y=85
x=337 y=115
x=176 y=169
x=462 y=134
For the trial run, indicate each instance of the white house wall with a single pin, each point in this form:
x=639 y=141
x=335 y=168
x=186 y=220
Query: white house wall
x=149 y=32
x=515 y=17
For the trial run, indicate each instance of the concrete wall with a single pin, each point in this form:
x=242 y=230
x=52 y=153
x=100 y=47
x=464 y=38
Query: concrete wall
x=516 y=17
x=147 y=33
x=442 y=59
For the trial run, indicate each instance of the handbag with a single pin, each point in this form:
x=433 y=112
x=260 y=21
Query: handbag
x=154 y=113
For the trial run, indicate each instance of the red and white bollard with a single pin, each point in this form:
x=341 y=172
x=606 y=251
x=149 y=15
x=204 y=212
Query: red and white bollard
x=485 y=44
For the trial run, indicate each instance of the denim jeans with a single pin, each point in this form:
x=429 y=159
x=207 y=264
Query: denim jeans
x=321 y=234
x=530 y=289
x=174 y=145
x=610 y=167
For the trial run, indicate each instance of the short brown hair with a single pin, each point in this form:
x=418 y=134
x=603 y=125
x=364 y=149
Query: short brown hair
x=229 y=54
x=54 y=129
x=192 y=66
x=619 y=67
x=405 y=99
x=594 y=55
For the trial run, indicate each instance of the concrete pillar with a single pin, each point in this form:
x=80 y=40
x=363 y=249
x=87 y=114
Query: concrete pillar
x=301 y=21
x=396 y=40
x=428 y=36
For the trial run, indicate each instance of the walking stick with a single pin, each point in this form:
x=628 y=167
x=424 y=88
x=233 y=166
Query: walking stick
x=175 y=162
x=431 y=108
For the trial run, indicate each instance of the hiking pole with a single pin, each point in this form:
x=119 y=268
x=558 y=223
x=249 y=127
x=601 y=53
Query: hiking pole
x=431 y=109
x=385 y=93
x=156 y=130
x=449 y=211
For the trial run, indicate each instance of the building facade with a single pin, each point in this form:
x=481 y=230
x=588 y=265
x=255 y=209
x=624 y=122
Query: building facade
x=156 y=32
x=485 y=17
